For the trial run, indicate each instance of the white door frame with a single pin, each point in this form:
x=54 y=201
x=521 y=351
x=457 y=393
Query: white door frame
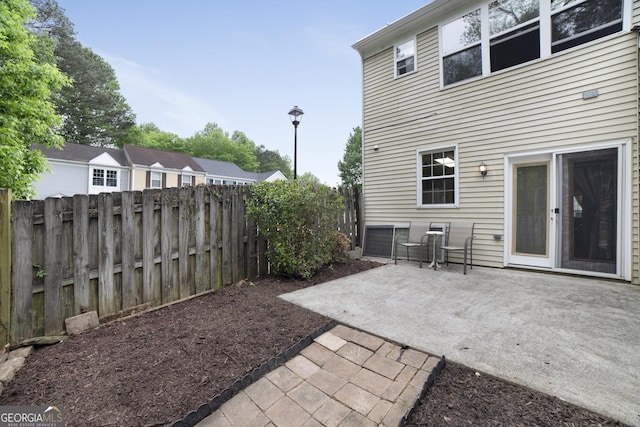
x=624 y=205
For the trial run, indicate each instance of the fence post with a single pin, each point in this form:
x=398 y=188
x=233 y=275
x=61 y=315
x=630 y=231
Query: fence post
x=5 y=265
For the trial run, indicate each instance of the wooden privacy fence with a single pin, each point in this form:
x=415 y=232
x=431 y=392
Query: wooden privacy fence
x=350 y=221
x=118 y=252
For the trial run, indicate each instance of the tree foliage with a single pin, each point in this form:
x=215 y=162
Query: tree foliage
x=93 y=109
x=351 y=165
x=27 y=114
x=299 y=221
x=272 y=160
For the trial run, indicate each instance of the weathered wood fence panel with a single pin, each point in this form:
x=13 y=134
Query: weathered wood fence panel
x=349 y=222
x=115 y=252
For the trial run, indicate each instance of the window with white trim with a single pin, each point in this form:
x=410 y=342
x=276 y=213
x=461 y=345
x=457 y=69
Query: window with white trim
x=438 y=175
x=156 y=179
x=574 y=22
x=186 y=180
x=104 y=179
x=461 y=49
x=513 y=35
x=405 y=57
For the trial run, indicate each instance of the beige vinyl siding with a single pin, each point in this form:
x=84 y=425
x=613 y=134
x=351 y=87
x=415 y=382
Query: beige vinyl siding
x=534 y=106
x=635 y=13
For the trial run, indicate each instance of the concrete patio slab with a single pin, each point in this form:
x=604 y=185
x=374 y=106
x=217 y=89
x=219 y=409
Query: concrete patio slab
x=571 y=337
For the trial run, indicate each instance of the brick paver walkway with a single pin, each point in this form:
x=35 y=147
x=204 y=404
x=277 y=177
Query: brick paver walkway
x=344 y=378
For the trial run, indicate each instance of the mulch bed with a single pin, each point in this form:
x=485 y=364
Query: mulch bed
x=153 y=369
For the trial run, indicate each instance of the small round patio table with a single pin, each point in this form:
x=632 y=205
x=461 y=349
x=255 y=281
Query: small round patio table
x=435 y=235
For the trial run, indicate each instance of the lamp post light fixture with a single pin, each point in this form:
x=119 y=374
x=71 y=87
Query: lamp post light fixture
x=295 y=114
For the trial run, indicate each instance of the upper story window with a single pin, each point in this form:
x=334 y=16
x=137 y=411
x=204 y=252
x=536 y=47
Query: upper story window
x=462 y=54
x=406 y=57
x=437 y=186
x=574 y=22
x=504 y=33
x=514 y=27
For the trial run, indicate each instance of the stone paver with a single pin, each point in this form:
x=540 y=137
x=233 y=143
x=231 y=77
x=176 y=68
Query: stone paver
x=302 y=366
x=384 y=366
x=354 y=353
x=308 y=397
x=346 y=378
x=264 y=393
x=357 y=399
x=286 y=412
x=332 y=342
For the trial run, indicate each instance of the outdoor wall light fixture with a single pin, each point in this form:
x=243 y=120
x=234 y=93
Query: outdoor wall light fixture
x=483 y=169
x=295 y=114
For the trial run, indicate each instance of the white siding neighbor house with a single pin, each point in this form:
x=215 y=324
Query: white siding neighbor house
x=543 y=94
x=82 y=169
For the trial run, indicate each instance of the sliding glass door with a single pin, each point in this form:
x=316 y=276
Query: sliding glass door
x=589 y=210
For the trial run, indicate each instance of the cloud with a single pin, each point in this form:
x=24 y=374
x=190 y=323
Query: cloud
x=154 y=97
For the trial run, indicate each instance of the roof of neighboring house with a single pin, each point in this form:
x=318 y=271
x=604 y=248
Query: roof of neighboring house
x=408 y=26
x=225 y=169
x=145 y=156
x=231 y=170
x=81 y=153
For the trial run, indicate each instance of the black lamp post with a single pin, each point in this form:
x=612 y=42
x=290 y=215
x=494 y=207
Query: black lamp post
x=295 y=114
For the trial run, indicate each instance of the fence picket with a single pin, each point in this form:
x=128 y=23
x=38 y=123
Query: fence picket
x=226 y=237
x=184 y=227
x=215 y=274
x=5 y=266
x=22 y=271
x=166 y=245
x=106 y=285
x=81 y=253
x=129 y=288
x=52 y=266
x=201 y=281
x=150 y=292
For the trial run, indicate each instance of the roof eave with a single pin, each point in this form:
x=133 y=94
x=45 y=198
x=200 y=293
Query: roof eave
x=416 y=22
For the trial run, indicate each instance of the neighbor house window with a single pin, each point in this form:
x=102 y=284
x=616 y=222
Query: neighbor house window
x=505 y=33
x=186 y=180
x=437 y=177
x=104 y=178
x=156 y=179
x=405 y=57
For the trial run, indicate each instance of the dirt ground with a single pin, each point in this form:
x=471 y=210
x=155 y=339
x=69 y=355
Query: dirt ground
x=154 y=369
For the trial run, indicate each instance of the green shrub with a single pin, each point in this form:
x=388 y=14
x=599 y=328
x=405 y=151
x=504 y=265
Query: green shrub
x=299 y=221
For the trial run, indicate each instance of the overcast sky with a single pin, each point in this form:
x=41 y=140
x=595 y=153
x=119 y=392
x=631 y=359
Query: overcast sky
x=242 y=65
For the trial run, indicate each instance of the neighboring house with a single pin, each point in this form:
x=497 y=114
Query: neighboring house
x=219 y=172
x=544 y=94
x=151 y=168
x=82 y=169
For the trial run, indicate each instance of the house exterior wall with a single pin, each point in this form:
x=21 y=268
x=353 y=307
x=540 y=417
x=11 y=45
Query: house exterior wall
x=64 y=179
x=172 y=179
x=67 y=178
x=535 y=106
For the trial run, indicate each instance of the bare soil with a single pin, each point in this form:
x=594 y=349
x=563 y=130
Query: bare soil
x=155 y=368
